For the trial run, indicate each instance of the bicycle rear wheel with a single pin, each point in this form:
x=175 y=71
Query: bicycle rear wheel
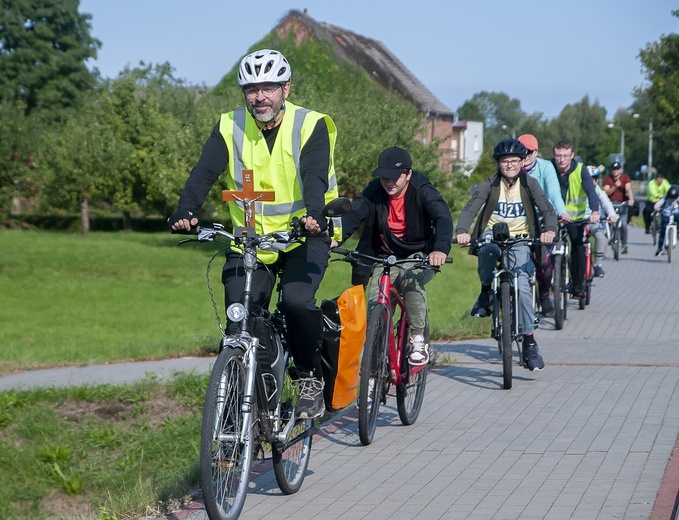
x=410 y=393
x=374 y=372
x=291 y=458
x=506 y=335
x=654 y=230
x=225 y=458
x=558 y=285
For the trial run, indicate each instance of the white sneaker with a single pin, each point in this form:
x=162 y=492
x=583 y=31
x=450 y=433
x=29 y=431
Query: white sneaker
x=419 y=351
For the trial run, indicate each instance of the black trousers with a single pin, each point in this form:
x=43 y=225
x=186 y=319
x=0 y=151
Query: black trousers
x=301 y=271
x=578 y=256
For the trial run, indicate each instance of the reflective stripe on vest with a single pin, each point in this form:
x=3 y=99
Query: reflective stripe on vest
x=576 y=197
x=248 y=150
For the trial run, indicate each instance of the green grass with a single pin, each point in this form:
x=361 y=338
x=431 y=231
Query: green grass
x=107 y=452
x=69 y=299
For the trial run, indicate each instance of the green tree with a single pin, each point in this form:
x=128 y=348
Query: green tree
x=78 y=157
x=501 y=115
x=585 y=125
x=160 y=119
x=17 y=160
x=43 y=48
x=660 y=61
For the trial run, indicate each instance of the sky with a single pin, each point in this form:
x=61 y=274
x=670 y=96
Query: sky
x=545 y=54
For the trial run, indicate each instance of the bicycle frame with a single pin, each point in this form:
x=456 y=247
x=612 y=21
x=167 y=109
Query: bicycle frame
x=389 y=296
x=503 y=273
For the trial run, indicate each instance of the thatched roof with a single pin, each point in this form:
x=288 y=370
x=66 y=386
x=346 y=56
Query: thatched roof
x=372 y=56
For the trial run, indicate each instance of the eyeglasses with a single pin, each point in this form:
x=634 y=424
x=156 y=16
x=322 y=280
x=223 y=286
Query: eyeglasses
x=266 y=90
x=510 y=162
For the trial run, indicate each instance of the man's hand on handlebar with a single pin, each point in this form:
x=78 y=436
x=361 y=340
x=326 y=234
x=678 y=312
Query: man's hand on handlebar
x=463 y=239
x=182 y=221
x=594 y=217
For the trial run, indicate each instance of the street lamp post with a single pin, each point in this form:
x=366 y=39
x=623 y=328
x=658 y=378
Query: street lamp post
x=505 y=127
x=622 y=142
x=649 y=173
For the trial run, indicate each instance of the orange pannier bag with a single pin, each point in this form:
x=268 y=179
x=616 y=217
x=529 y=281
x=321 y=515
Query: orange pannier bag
x=343 y=338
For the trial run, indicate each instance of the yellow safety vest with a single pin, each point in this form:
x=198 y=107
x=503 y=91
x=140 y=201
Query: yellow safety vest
x=576 y=197
x=277 y=171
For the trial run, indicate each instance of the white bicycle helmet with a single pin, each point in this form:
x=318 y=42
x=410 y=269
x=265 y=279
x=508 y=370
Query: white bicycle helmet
x=264 y=66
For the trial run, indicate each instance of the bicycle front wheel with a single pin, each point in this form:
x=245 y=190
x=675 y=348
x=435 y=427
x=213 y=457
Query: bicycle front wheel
x=558 y=284
x=410 y=393
x=225 y=457
x=291 y=458
x=616 y=241
x=506 y=337
x=670 y=239
x=374 y=372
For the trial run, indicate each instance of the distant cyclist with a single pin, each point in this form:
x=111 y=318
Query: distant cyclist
x=656 y=190
x=598 y=230
x=668 y=205
x=618 y=187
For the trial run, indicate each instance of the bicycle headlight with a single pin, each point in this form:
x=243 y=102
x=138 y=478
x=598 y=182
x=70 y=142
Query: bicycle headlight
x=235 y=312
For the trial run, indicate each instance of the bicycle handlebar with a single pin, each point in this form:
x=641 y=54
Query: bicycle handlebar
x=267 y=241
x=391 y=260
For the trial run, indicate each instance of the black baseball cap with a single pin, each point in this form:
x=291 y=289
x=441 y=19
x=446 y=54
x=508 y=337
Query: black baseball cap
x=616 y=166
x=392 y=163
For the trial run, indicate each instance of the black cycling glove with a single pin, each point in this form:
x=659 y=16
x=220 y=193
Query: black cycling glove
x=318 y=217
x=178 y=215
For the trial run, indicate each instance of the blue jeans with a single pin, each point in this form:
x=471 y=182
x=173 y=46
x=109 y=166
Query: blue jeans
x=521 y=263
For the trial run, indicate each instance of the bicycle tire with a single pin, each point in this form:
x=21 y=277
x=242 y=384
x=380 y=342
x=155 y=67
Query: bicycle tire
x=506 y=335
x=291 y=458
x=373 y=372
x=558 y=287
x=671 y=237
x=654 y=230
x=616 y=241
x=225 y=464
x=410 y=393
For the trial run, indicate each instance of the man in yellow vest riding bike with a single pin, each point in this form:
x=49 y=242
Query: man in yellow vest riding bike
x=577 y=189
x=290 y=151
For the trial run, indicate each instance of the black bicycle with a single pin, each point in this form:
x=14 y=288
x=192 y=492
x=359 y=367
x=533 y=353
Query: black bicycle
x=250 y=404
x=505 y=288
x=616 y=231
x=561 y=276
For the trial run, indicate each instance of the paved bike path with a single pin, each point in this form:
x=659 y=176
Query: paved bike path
x=590 y=437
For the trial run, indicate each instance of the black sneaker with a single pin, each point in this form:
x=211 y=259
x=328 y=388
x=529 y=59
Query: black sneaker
x=481 y=308
x=658 y=252
x=310 y=402
x=578 y=292
x=531 y=355
x=547 y=307
x=624 y=250
x=599 y=271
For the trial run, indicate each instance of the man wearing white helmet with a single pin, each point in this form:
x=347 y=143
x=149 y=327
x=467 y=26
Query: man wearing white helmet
x=290 y=151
